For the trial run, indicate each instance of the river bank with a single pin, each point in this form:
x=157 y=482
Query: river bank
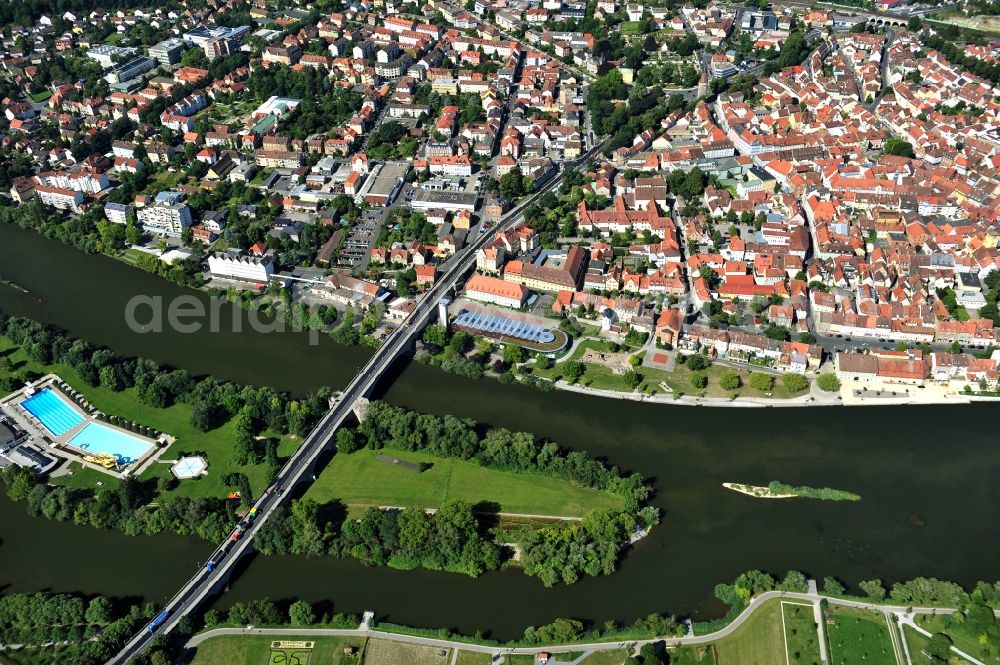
x=614 y=641
x=850 y=394
x=809 y=399
x=893 y=458
x=95 y=308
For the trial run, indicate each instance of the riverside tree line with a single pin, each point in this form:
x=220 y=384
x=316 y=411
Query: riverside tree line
x=94 y=629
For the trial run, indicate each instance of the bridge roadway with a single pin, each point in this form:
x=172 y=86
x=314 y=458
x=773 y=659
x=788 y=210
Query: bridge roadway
x=205 y=582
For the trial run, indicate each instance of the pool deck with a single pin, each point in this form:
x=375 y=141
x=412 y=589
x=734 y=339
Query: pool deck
x=59 y=445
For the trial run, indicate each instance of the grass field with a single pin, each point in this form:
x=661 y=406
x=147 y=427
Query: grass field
x=602 y=377
x=757 y=641
x=980 y=23
x=290 y=657
x=473 y=658
x=361 y=480
x=859 y=636
x=631 y=28
x=616 y=657
x=256 y=650
x=132 y=256
x=696 y=655
x=801 y=637
x=166 y=180
x=217 y=445
x=519 y=660
x=960 y=636
x=384 y=652
x=917 y=644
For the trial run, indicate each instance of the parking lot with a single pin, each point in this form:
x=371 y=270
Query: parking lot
x=357 y=246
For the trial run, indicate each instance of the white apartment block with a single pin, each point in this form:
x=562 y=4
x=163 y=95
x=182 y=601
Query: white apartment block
x=58 y=197
x=165 y=217
x=86 y=181
x=245 y=268
x=117 y=212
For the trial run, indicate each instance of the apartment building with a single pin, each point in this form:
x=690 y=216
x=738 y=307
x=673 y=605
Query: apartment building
x=496 y=291
x=243 y=268
x=59 y=197
x=117 y=212
x=165 y=217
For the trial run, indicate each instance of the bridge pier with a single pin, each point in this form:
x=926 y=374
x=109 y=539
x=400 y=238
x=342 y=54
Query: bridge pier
x=360 y=408
x=219 y=585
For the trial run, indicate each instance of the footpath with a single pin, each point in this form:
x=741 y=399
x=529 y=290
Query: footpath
x=814 y=397
x=904 y=616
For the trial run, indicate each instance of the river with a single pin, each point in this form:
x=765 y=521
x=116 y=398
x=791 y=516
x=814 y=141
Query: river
x=927 y=476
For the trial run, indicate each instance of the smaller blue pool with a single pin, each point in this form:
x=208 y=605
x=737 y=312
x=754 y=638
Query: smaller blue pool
x=96 y=439
x=52 y=411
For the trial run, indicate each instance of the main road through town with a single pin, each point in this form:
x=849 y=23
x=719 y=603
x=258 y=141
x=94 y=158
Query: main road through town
x=298 y=467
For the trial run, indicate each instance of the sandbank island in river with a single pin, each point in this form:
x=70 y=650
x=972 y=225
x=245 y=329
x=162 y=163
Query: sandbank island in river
x=779 y=490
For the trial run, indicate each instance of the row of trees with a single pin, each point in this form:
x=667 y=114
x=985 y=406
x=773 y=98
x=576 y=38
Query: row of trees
x=447 y=540
x=920 y=591
x=213 y=402
x=455 y=353
x=266 y=612
x=98 y=626
x=950 y=41
x=564 y=554
x=121 y=507
x=40 y=618
x=387 y=426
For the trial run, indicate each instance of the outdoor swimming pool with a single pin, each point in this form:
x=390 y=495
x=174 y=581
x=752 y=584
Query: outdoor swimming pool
x=96 y=439
x=52 y=411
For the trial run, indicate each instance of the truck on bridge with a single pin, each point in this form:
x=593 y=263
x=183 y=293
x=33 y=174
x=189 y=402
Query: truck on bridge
x=217 y=558
x=155 y=624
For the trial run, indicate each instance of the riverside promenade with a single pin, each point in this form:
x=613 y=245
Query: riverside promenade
x=902 y=615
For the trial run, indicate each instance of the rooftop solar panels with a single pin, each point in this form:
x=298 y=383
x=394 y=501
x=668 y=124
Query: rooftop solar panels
x=502 y=326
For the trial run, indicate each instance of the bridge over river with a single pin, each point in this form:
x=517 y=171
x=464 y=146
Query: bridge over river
x=301 y=465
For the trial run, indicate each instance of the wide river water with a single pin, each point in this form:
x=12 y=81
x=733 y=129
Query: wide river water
x=929 y=477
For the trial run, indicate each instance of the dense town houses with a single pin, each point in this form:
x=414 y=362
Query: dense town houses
x=772 y=183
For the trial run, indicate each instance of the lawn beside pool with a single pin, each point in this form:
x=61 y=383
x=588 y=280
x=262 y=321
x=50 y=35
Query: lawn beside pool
x=360 y=479
x=175 y=421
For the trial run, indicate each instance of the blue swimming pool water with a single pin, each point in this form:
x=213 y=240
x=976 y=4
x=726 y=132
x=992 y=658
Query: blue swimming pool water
x=96 y=438
x=52 y=411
